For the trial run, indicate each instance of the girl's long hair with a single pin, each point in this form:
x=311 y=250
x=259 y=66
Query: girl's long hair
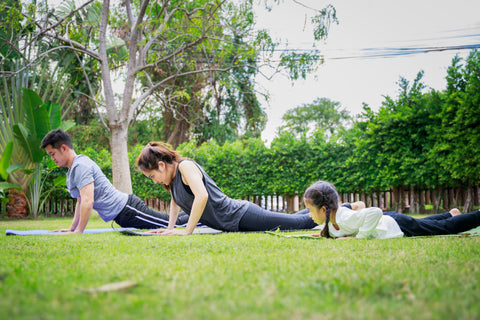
x=320 y=194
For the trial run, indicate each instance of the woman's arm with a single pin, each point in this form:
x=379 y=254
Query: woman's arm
x=172 y=219
x=193 y=177
x=173 y=215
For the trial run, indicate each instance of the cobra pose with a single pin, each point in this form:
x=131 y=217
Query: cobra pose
x=195 y=192
x=87 y=183
x=321 y=199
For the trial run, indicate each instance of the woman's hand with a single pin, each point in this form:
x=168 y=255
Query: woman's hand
x=62 y=230
x=170 y=232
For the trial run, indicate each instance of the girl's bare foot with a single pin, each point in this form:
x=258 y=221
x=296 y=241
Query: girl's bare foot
x=455 y=212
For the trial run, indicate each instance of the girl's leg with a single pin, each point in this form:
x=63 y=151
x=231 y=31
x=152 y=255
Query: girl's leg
x=430 y=227
x=137 y=214
x=258 y=219
x=464 y=222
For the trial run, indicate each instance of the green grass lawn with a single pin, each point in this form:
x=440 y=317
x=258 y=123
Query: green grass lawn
x=235 y=276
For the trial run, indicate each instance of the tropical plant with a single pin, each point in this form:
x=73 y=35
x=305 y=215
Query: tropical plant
x=5 y=170
x=40 y=118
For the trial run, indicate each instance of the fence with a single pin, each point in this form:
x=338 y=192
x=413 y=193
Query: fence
x=407 y=200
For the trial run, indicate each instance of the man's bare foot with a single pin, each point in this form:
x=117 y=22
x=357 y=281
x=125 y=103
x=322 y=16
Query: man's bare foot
x=455 y=212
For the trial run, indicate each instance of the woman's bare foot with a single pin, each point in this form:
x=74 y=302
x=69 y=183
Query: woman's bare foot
x=455 y=212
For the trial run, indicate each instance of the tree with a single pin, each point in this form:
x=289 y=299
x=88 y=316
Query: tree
x=322 y=114
x=458 y=135
x=140 y=39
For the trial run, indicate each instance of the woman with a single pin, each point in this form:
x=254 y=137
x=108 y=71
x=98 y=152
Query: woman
x=321 y=199
x=196 y=193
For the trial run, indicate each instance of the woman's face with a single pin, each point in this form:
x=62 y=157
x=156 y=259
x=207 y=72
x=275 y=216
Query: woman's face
x=317 y=214
x=159 y=175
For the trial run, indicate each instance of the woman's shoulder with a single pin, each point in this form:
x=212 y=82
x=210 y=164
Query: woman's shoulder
x=187 y=163
x=188 y=168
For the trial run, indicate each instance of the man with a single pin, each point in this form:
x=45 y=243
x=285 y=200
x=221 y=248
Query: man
x=87 y=183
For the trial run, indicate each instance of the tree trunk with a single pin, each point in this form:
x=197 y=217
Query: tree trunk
x=399 y=199
x=120 y=164
x=414 y=205
x=468 y=200
x=17 y=205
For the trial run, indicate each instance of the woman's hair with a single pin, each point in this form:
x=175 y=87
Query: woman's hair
x=153 y=153
x=320 y=194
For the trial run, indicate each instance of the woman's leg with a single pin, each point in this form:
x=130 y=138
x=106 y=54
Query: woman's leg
x=137 y=214
x=258 y=219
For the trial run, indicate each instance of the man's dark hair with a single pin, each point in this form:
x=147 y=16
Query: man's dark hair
x=56 y=138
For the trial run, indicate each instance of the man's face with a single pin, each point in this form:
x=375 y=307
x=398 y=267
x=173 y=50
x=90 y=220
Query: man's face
x=59 y=156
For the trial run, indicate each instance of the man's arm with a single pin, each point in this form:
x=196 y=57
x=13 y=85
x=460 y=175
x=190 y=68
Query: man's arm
x=83 y=209
x=86 y=206
x=74 y=224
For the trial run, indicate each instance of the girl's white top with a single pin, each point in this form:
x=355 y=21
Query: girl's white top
x=364 y=223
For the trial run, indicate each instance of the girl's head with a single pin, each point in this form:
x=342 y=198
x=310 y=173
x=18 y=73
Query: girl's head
x=156 y=160
x=321 y=198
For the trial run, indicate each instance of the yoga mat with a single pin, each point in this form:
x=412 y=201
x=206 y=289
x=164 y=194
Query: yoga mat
x=198 y=230
x=10 y=232
x=472 y=232
x=282 y=234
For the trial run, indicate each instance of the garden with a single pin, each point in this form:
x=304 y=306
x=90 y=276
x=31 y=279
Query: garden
x=234 y=276
x=188 y=72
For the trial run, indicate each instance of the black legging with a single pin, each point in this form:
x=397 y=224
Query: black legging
x=437 y=224
x=137 y=214
x=258 y=219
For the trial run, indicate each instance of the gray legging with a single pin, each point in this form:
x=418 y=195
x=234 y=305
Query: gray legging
x=258 y=219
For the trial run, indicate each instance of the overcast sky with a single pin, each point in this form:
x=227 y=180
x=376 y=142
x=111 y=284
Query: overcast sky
x=370 y=31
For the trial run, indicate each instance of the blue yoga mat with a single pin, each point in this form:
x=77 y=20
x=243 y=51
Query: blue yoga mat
x=10 y=232
x=198 y=230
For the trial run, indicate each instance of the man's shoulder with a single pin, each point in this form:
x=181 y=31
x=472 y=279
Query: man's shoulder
x=83 y=163
x=82 y=160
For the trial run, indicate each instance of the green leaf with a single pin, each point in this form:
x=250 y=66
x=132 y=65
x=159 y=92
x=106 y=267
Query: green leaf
x=66 y=125
x=60 y=181
x=5 y=160
x=29 y=143
x=21 y=134
x=37 y=117
x=14 y=168
x=7 y=185
x=55 y=113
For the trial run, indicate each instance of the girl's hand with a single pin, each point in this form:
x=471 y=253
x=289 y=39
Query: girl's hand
x=315 y=235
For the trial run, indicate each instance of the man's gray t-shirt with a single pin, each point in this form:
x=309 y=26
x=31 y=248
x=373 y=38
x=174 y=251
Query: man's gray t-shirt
x=108 y=201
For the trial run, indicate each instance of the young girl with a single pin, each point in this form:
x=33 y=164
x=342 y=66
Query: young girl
x=197 y=194
x=321 y=199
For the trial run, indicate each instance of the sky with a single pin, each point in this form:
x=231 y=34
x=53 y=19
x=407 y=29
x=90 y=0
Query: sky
x=362 y=64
